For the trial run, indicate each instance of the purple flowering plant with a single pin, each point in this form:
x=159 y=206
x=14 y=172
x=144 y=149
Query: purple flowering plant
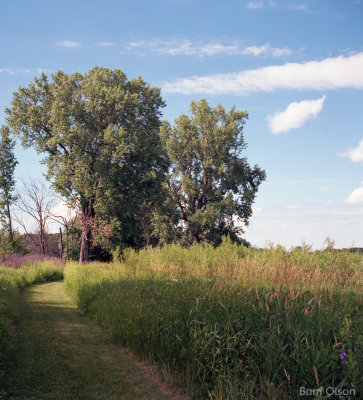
x=343 y=357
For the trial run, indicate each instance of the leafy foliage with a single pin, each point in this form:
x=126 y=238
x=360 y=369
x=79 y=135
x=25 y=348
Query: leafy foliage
x=7 y=181
x=210 y=182
x=100 y=136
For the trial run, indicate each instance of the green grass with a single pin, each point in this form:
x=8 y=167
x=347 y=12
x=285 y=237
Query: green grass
x=233 y=323
x=11 y=281
x=59 y=354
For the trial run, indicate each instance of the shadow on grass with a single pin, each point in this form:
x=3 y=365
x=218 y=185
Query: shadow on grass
x=58 y=353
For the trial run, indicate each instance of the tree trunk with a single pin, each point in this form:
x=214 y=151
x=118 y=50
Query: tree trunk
x=193 y=237
x=11 y=235
x=87 y=215
x=61 y=244
x=42 y=237
x=67 y=244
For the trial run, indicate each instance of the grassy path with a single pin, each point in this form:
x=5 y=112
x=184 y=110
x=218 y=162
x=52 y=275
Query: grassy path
x=60 y=354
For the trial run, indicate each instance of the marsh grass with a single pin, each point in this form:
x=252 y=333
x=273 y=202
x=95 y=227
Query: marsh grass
x=231 y=322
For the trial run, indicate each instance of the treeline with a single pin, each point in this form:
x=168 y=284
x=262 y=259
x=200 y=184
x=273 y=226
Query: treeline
x=133 y=179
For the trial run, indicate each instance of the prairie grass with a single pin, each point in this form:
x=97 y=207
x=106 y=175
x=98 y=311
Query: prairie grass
x=232 y=322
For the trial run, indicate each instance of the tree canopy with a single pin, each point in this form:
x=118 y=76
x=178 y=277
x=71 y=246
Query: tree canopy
x=99 y=134
x=210 y=181
x=136 y=181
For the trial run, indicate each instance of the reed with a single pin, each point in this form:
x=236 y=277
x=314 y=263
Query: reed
x=231 y=322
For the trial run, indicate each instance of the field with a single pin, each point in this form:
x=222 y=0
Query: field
x=232 y=322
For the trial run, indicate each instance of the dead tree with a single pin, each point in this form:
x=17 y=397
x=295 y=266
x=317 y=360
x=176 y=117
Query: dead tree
x=33 y=208
x=67 y=219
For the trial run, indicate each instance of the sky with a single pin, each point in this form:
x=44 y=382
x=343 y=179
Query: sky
x=295 y=66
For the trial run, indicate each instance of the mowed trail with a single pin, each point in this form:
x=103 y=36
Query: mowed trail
x=59 y=353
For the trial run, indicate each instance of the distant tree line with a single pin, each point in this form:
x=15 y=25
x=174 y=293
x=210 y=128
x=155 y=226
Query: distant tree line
x=133 y=179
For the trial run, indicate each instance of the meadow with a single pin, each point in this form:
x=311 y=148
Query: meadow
x=234 y=322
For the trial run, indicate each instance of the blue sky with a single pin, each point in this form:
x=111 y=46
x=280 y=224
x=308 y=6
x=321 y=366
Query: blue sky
x=295 y=66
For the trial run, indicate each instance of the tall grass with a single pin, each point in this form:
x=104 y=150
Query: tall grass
x=231 y=322
x=11 y=280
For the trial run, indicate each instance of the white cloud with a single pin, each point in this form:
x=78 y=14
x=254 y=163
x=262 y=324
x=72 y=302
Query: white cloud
x=69 y=44
x=323 y=189
x=176 y=47
x=169 y=47
x=328 y=74
x=295 y=115
x=292 y=206
x=217 y=48
x=298 y=7
x=356 y=197
x=355 y=154
x=254 y=4
x=41 y=70
x=13 y=71
x=104 y=44
x=267 y=50
x=311 y=223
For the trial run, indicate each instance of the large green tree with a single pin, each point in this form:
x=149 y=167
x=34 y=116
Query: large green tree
x=210 y=180
x=99 y=133
x=7 y=181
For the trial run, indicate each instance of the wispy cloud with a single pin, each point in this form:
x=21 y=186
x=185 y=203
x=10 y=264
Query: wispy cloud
x=104 y=44
x=328 y=74
x=355 y=154
x=295 y=115
x=311 y=223
x=266 y=49
x=254 y=4
x=323 y=189
x=356 y=197
x=176 y=47
x=257 y=5
x=68 y=43
x=162 y=47
x=20 y=71
x=15 y=71
x=41 y=70
x=297 y=7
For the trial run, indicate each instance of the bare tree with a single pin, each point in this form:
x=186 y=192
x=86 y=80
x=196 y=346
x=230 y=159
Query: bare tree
x=67 y=219
x=36 y=201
